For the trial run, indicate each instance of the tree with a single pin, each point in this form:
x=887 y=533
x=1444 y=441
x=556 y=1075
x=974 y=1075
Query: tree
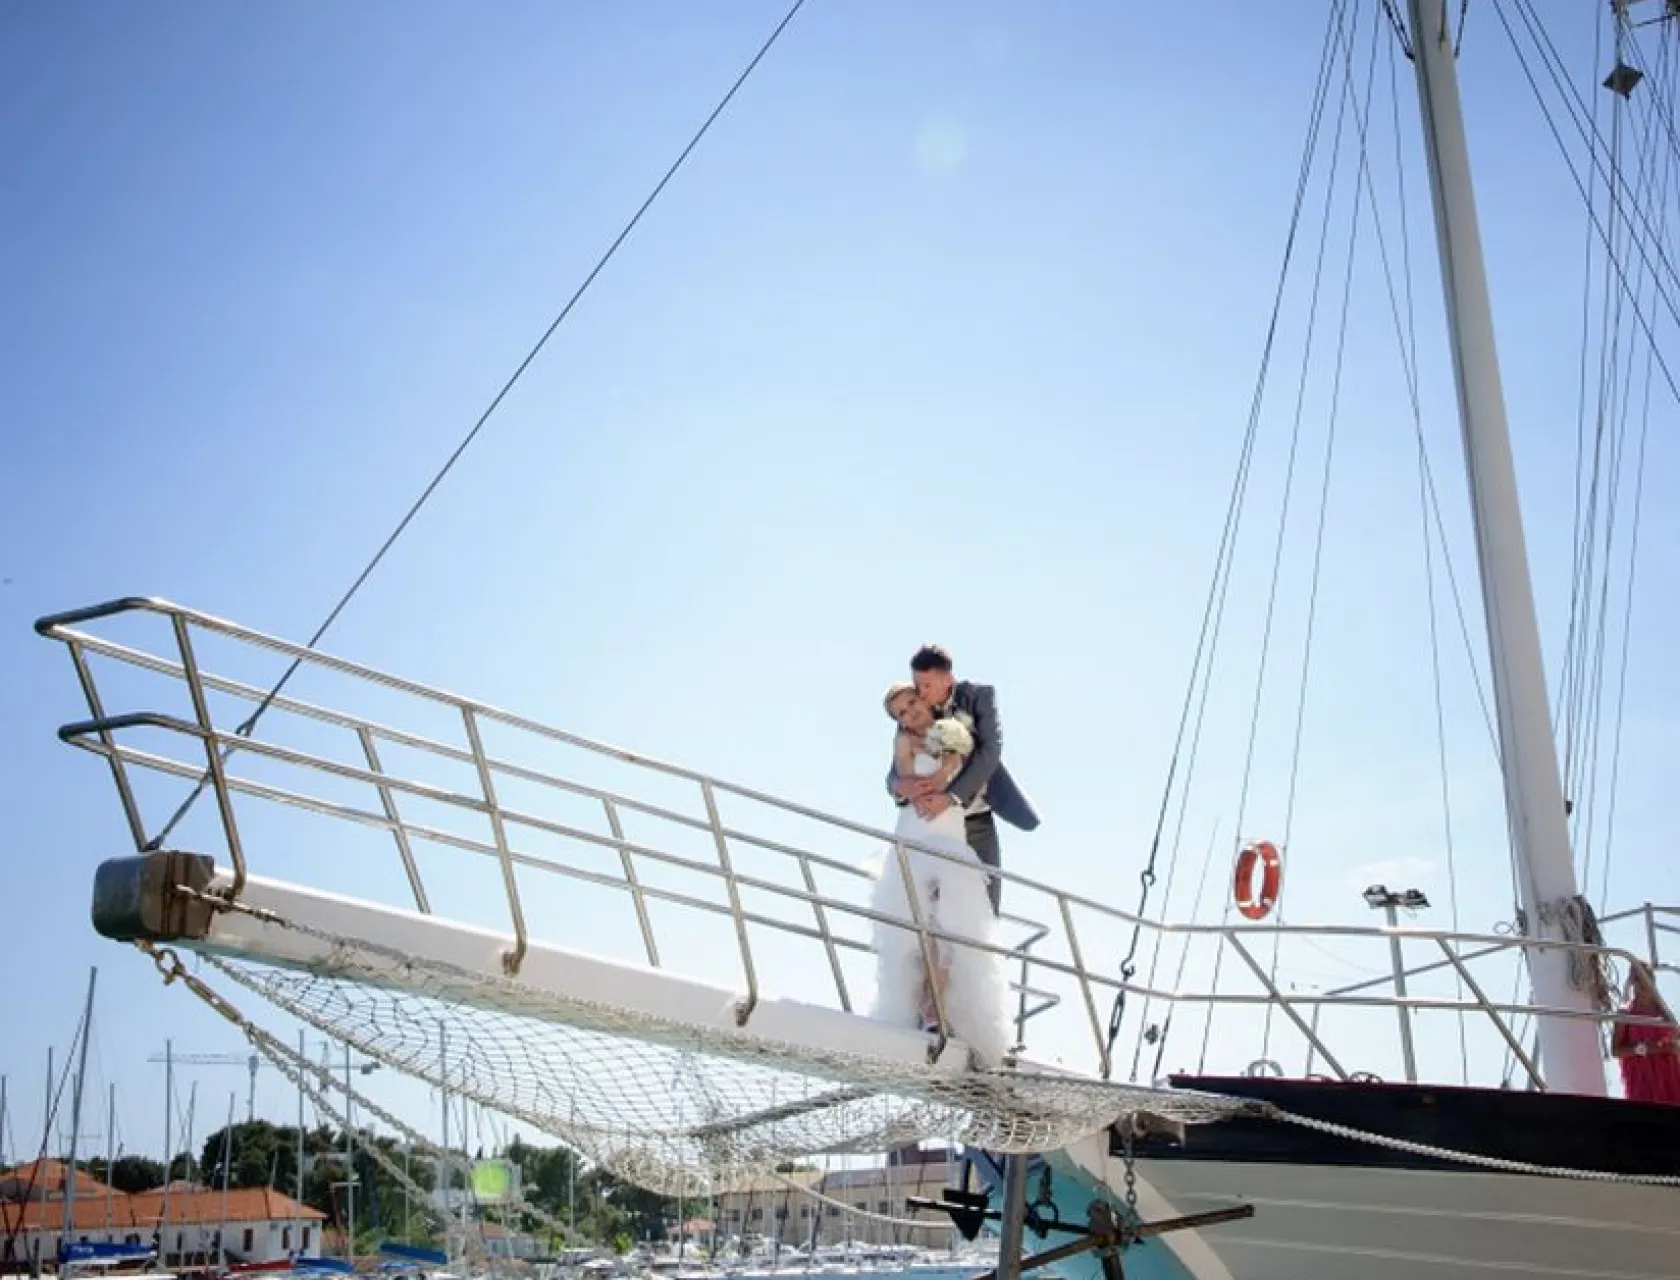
x=545 y=1175
x=623 y=1206
x=134 y=1174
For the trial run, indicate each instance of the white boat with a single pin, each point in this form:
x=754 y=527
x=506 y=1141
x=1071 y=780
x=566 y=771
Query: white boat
x=1347 y=1175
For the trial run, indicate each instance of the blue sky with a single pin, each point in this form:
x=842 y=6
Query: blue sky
x=948 y=331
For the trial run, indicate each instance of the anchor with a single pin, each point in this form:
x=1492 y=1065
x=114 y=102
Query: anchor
x=1105 y=1234
x=969 y=1210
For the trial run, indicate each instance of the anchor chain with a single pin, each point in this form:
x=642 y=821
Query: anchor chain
x=1130 y=1166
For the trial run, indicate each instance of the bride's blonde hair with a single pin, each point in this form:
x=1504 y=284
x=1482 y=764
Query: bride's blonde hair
x=896 y=691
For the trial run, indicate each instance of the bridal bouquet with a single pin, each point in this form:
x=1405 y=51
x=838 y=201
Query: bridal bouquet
x=950 y=735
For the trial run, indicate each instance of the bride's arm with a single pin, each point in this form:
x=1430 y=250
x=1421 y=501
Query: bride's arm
x=949 y=768
x=904 y=756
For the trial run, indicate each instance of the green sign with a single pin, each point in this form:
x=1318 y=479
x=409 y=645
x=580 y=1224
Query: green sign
x=492 y=1181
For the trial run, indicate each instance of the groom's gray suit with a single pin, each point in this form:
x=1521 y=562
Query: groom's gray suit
x=983 y=787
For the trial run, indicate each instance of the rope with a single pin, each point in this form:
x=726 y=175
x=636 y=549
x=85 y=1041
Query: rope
x=1351 y=100
x=1646 y=247
x=1633 y=557
x=1652 y=183
x=1207 y=641
x=867 y=1215
x=318 y=1083
x=1588 y=971
x=1468 y=1157
x=299 y=1070
x=245 y=729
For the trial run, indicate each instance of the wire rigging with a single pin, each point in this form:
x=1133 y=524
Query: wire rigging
x=245 y=729
x=1343 y=101
x=1333 y=418
x=1213 y=610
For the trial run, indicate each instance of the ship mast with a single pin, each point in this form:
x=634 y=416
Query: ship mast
x=1534 y=802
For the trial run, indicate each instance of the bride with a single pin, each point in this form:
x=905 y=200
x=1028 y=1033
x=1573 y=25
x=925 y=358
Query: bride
x=950 y=895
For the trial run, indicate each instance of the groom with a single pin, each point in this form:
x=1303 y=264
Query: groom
x=983 y=789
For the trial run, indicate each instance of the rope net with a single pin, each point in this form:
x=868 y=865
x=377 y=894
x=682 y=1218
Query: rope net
x=678 y=1109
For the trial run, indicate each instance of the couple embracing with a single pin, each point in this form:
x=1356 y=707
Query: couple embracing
x=951 y=787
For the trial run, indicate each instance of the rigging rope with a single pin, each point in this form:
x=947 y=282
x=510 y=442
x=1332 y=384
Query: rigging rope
x=1642 y=243
x=1660 y=81
x=495 y=403
x=1207 y=641
x=1627 y=615
x=885 y=1219
x=1349 y=100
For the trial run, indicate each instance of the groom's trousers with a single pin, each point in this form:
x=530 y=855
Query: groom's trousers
x=982 y=834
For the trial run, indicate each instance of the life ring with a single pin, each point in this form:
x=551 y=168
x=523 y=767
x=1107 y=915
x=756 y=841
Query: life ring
x=1264 y=855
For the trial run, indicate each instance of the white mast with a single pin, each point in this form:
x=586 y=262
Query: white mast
x=1533 y=787
x=76 y=1115
x=110 y=1145
x=297 y=1222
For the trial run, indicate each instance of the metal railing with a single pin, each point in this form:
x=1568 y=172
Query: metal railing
x=1053 y=960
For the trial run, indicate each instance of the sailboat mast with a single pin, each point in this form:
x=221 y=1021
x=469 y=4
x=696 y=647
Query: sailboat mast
x=76 y=1110
x=297 y=1222
x=110 y=1145
x=1533 y=784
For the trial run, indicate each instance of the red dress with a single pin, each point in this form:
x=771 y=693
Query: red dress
x=1655 y=1075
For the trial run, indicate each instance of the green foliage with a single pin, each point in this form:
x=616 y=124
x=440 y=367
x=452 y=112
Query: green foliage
x=133 y=1174
x=259 y=1154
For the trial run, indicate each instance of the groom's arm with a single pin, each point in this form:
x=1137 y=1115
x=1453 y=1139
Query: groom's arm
x=988 y=748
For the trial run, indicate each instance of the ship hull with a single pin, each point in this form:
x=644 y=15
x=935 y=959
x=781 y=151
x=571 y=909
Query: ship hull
x=1330 y=1207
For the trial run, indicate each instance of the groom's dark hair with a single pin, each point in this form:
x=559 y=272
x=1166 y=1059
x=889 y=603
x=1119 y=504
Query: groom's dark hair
x=931 y=657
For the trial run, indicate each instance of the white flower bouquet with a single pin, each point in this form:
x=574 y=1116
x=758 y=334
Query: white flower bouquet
x=950 y=735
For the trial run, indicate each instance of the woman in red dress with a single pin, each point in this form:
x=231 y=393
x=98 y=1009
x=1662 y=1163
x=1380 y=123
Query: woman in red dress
x=1649 y=1055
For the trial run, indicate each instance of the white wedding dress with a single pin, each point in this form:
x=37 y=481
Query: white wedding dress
x=951 y=895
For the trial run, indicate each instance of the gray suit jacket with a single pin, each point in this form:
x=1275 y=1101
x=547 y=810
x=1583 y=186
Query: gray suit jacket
x=984 y=771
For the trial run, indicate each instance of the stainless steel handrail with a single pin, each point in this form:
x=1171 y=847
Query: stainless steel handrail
x=103 y=733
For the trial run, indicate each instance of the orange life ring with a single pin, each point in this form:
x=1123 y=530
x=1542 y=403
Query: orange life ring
x=1262 y=854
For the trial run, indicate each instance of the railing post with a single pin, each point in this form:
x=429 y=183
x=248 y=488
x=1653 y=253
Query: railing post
x=1408 y=1051
x=1282 y=1001
x=213 y=756
x=637 y=898
x=1084 y=985
x=826 y=933
x=927 y=945
x=1312 y=1040
x=1511 y=1041
x=399 y=832
x=743 y=1012
x=504 y=853
x=119 y=769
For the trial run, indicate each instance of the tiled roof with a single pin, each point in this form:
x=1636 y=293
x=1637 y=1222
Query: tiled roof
x=143 y=1212
x=44 y=1178
x=242 y=1204
x=89 y=1211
